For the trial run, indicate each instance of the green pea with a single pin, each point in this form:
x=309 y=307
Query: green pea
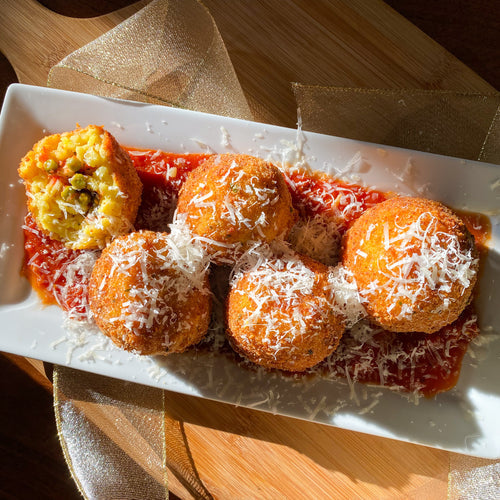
x=84 y=199
x=78 y=181
x=74 y=164
x=68 y=193
x=50 y=165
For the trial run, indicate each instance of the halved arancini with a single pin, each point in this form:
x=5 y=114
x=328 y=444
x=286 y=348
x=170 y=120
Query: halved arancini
x=82 y=187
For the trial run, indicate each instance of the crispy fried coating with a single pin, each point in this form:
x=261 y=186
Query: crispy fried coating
x=82 y=187
x=279 y=314
x=236 y=200
x=415 y=264
x=143 y=297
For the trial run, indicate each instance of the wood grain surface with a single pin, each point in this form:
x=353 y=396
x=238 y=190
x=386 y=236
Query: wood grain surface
x=351 y=43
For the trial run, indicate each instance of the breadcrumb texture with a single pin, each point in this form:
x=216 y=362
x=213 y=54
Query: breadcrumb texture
x=143 y=300
x=279 y=314
x=236 y=200
x=82 y=187
x=415 y=264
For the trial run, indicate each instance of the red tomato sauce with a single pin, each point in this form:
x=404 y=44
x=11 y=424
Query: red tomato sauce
x=479 y=226
x=45 y=260
x=162 y=175
x=318 y=193
x=413 y=362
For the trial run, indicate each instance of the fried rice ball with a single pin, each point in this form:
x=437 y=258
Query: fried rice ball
x=236 y=200
x=146 y=297
x=415 y=264
x=280 y=314
x=82 y=187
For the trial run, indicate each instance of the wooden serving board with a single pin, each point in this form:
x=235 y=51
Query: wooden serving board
x=240 y=453
x=351 y=43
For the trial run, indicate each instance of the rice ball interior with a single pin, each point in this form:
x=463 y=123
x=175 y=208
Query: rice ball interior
x=82 y=187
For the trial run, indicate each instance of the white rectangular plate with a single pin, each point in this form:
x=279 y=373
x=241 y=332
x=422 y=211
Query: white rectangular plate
x=463 y=420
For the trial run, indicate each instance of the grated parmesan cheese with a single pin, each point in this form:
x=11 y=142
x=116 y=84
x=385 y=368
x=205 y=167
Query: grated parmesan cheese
x=421 y=258
x=317 y=237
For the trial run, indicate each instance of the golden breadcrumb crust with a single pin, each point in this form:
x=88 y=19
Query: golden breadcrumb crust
x=141 y=302
x=393 y=246
x=234 y=200
x=291 y=333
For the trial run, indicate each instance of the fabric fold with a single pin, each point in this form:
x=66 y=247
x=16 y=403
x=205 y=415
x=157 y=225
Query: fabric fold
x=170 y=52
x=463 y=125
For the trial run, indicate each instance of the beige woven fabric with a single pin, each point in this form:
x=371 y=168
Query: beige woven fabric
x=117 y=438
x=169 y=53
x=450 y=123
x=443 y=122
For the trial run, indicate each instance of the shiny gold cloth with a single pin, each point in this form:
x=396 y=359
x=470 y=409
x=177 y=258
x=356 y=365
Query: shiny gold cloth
x=118 y=438
x=473 y=478
x=93 y=415
x=464 y=125
x=169 y=53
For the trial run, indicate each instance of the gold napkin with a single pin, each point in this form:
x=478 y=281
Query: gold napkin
x=438 y=121
x=170 y=52
x=111 y=435
x=473 y=478
x=118 y=438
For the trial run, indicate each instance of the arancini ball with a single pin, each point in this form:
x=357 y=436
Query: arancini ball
x=82 y=187
x=415 y=264
x=279 y=313
x=147 y=297
x=234 y=201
